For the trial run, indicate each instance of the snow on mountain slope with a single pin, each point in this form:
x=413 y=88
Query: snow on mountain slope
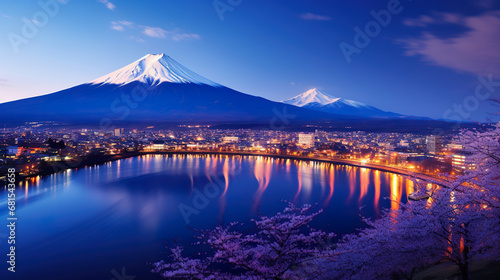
x=316 y=96
x=316 y=100
x=310 y=96
x=153 y=69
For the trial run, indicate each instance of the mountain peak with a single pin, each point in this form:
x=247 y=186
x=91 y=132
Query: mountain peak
x=153 y=69
x=317 y=100
x=313 y=95
x=155 y=56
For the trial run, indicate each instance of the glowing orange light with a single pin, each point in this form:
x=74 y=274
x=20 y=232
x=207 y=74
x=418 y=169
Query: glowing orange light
x=377 y=189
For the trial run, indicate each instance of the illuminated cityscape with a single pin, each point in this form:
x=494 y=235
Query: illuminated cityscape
x=34 y=149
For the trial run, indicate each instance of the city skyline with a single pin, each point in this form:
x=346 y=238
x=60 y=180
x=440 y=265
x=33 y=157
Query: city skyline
x=273 y=56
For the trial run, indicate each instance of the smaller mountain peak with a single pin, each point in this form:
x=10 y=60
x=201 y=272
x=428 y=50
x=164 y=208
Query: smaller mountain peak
x=318 y=92
x=315 y=99
x=313 y=95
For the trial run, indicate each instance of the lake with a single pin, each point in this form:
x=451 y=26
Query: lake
x=98 y=222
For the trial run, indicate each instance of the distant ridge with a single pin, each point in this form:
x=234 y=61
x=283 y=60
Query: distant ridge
x=317 y=100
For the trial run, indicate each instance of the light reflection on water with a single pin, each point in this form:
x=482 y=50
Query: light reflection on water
x=135 y=202
x=363 y=181
x=331 y=184
x=376 y=197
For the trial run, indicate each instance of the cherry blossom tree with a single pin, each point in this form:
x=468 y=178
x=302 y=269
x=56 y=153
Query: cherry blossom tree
x=468 y=211
x=475 y=199
x=284 y=246
x=459 y=223
x=395 y=246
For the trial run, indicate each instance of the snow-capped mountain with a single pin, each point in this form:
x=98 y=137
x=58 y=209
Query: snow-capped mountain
x=317 y=100
x=310 y=96
x=157 y=90
x=154 y=89
x=153 y=69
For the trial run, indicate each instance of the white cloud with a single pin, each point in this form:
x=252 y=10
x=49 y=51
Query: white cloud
x=474 y=51
x=185 y=36
x=156 y=32
x=152 y=31
x=121 y=25
x=108 y=4
x=435 y=18
x=126 y=23
x=116 y=26
x=175 y=35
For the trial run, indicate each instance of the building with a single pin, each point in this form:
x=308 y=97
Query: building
x=156 y=145
x=434 y=144
x=392 y=158
x=462 y=161
x=402 y=158
x=454 y=147
x=119 y=132
x=306 y=140
x=14 y=151
x=403 y=143
x=230 y=139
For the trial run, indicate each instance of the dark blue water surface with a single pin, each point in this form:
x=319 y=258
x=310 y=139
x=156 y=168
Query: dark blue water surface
x=92 y=223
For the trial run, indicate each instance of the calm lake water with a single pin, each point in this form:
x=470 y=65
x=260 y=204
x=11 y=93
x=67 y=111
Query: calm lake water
x=92 y=223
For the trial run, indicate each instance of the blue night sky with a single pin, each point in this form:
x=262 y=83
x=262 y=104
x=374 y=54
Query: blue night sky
x=425 y=61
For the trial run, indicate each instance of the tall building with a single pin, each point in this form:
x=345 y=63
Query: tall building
x=306 y=140
x=462 y=161
x=434 y=144
x=119 y=132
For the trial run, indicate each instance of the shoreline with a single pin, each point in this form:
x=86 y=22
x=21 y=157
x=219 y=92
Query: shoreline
x=89 y=161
